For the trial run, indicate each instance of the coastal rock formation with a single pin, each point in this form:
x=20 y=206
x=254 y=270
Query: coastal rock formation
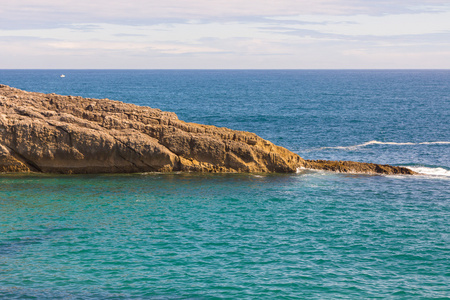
x=64 y=134
x=356 y=167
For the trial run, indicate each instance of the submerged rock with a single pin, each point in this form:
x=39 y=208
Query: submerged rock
x=64 y=134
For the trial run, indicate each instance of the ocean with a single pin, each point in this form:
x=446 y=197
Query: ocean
x=309 y=235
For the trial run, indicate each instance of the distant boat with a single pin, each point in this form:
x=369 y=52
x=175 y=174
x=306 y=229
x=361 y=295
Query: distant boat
x=62 y=75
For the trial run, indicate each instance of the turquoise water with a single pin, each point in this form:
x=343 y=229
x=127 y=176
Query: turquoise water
x=242 y=236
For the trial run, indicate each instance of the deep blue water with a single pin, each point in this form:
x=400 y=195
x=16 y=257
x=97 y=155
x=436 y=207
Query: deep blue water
x=305 y=235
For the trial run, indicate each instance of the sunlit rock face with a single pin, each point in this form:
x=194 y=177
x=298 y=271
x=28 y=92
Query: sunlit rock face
x=64 y=134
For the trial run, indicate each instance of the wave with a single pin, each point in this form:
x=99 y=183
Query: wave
x=431 y=171
x=383 y=143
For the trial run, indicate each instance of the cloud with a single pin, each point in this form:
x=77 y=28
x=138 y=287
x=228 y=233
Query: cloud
x=136 y=48
x=26 y=14
x=223 y=53
x=223 y=33
x=129 y=35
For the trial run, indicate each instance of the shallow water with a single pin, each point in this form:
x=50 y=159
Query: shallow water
x=233 y=236
x=201 y=236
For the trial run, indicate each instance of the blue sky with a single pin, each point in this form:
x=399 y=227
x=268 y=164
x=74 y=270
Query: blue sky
x=222 y=34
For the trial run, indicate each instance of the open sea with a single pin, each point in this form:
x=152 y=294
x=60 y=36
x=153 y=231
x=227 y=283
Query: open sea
x=309 y=235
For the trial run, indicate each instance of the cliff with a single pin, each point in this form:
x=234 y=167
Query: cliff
x=64 y=134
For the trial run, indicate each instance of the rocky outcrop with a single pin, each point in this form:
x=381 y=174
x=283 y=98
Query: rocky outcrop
x=356 y=167
x=65 y=134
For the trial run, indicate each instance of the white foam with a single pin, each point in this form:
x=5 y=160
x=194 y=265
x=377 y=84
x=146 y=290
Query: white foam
x=384 y=143
x=300 y=169
x=434 y=172
x=304 y=170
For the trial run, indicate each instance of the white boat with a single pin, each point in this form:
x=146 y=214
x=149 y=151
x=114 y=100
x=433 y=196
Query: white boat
x=62 y=75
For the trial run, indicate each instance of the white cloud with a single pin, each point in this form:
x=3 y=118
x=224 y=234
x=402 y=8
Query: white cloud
x=224 y=34
x=50 y=14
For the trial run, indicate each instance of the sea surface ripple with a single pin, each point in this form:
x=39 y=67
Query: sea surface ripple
x=309 y=235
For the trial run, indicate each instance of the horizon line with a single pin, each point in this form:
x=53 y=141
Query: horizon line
x=234 y=69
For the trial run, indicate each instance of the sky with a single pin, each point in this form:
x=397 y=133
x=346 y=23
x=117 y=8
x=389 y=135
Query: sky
x=224 y=34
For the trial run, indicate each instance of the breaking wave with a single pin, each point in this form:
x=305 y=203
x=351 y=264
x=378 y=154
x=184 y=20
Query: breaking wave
x=354 y=147
x=437 y=172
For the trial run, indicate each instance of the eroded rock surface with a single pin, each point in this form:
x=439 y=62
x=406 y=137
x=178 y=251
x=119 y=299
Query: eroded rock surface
x=65 y=134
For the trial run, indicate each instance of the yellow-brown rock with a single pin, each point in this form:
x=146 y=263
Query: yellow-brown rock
x=65 y=134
